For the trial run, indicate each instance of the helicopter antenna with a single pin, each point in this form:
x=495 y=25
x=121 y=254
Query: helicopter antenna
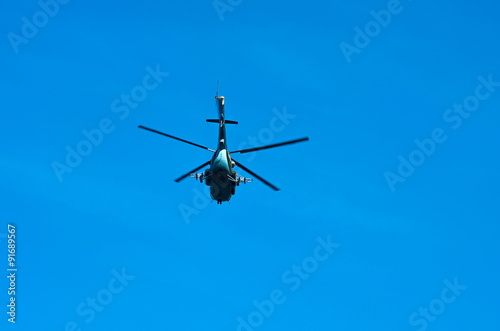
x=217 y=90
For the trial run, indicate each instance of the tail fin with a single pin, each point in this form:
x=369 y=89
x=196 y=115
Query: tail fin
x=226 y=121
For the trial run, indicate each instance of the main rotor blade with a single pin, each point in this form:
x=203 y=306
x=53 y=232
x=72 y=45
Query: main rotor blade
x=270 y=146
x=167 y=135
x=194 y=170
x=255 y=175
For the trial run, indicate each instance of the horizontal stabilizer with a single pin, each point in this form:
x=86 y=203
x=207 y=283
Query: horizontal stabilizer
x=226 y=121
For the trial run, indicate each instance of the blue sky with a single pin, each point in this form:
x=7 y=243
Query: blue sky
x=387 y=219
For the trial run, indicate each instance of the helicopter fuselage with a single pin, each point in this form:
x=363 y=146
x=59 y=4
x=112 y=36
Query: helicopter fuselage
x=221 y=177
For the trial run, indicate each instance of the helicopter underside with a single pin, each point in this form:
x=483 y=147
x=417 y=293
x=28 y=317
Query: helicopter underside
x=220 y=177
x=222 y=185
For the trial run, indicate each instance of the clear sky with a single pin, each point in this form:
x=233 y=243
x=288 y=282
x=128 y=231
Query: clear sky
x=387 y=219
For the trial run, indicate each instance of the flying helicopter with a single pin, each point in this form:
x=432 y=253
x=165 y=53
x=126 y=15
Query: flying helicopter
x=221 y=177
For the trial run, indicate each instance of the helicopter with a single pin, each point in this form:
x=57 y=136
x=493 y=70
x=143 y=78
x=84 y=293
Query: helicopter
x=221 y=177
